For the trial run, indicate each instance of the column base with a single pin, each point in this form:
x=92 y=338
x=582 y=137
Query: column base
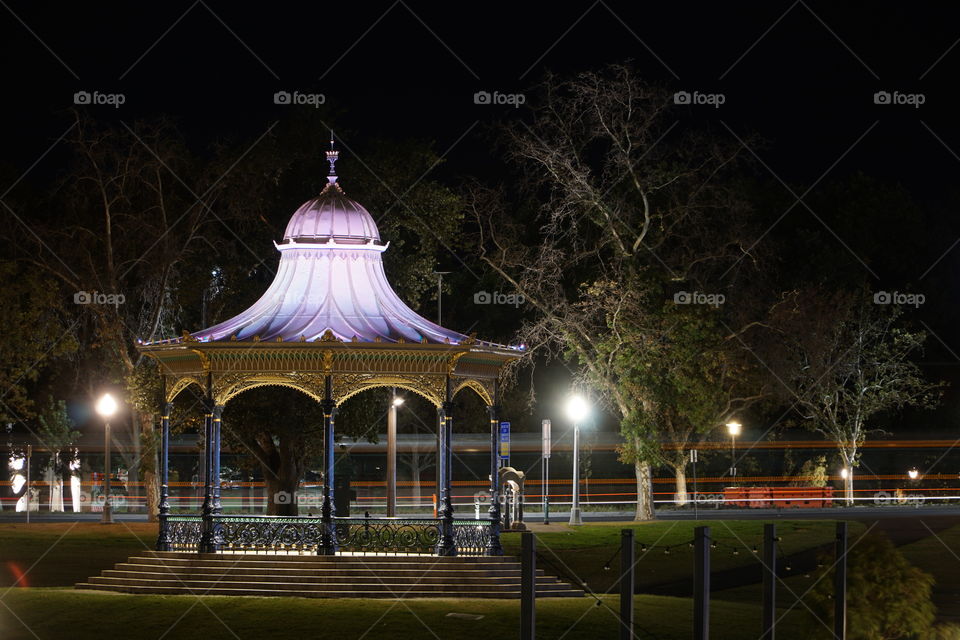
x=575 y=519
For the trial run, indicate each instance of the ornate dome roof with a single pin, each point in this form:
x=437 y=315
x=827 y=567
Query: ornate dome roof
x=331 y=216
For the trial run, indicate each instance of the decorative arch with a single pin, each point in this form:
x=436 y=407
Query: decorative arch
x=431 y=388
x=481 y=390
x=180 y=384
x=227 y=387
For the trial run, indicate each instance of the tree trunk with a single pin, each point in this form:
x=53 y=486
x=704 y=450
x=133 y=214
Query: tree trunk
x=848 y=456
x=148 y=464
x=848 y=488
x=644 y=491
x=680 y=473
x=281 y=491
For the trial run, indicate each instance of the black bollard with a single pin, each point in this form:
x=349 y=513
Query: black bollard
x=528 y=586
x=840 y=584
x=701 y=586
x=627 y=562
x=769 y=581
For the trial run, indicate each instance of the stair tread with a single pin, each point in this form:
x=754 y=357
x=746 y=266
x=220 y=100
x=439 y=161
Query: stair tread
x=323 y=576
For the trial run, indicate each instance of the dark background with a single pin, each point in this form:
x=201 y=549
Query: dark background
x=802 y=76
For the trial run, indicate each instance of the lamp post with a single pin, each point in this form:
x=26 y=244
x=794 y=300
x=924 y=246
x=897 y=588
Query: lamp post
x=733 y=428
x=106 y=407
x=577 y=410
x=392 y=456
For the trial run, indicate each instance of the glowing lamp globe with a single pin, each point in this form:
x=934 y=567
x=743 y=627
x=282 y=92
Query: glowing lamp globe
x=734 y=428
x=106 y=406
x=577 y=408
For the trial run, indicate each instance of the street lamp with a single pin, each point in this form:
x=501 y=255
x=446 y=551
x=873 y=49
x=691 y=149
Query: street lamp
x=106 y=407
x=913 y=473
x=733 y=428
x=577 y=411
x=392 y=455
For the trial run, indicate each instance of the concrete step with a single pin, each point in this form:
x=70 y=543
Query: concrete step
x=199 y=586
x=413 y=593
x=324 y=577
x=339 y=563
x=334 y=570
x=299 y=557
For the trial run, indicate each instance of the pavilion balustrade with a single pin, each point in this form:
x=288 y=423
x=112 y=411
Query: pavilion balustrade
x=301 y=534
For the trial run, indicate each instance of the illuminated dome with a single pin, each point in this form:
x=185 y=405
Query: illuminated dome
x=331 y=216
x=330 y=284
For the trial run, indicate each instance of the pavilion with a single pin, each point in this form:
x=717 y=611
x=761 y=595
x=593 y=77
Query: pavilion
x=331 y=326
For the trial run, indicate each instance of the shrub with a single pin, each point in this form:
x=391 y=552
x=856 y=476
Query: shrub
x=887 y=597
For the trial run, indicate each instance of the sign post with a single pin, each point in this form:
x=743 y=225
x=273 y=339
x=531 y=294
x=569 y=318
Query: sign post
x=504 y=444
x=546 y=471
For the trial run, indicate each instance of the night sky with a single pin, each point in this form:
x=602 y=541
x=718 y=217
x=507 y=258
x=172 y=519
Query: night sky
x=803 y=76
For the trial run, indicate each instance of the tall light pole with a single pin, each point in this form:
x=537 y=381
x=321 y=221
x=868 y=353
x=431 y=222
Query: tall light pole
x=395 y=402
x=106 y=407
x=733 y=428
x=440 y=275
x=577 y=411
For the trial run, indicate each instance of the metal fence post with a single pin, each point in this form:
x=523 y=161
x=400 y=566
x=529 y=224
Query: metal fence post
x=840 y=584
x=627 y=562
x=528 y=586
x=769 y=581
x=701 y=586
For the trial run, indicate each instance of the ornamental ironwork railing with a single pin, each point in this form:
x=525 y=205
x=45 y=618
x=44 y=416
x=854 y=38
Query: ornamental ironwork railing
x=183 y=531
x=302 y=534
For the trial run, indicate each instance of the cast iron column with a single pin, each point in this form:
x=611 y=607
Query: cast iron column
x=493 y=545
x=446 y=545
x=163 y=539
x=328 y=539
x=215 y=508
x=206 y=526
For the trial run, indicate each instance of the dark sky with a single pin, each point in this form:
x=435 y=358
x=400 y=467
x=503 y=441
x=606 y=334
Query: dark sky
x=802 y=75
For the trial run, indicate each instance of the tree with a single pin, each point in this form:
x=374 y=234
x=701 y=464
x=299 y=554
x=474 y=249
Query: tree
x=117 y=234
x=57 y=432
x=631 y=210
x=696 y=375
x=844 y=360
x=37 y=332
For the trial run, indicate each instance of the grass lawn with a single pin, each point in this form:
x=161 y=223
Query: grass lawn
x=57 y=613
x=55 y=555
x=62 y=554
x=583 y=552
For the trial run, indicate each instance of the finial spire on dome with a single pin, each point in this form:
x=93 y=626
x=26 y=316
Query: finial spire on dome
x=332 y=156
